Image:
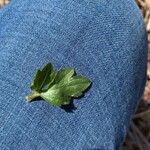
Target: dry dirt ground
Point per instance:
(138, 137)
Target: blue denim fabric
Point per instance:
(103, 40)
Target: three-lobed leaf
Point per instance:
(57, 88)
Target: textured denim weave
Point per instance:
(103, 40)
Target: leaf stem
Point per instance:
(32, 96)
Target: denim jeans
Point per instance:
(103, 40)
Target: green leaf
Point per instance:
(56, 97)
(76, 86)
(63, 75)
(43, 78)
(57, 88)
